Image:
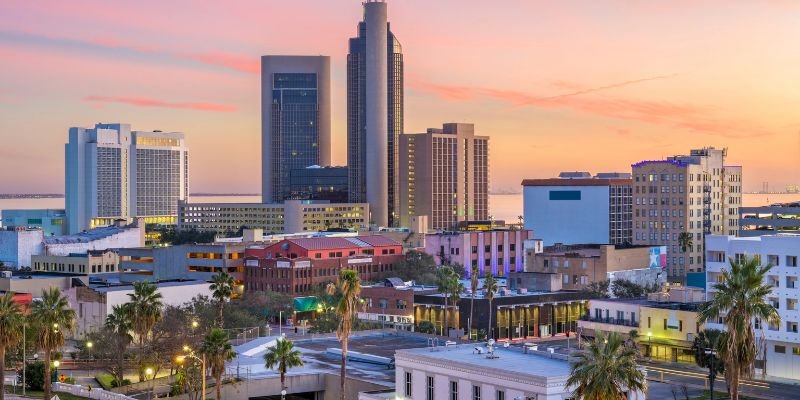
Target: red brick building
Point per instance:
(391, 302)
(295, 266)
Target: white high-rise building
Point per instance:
(113, 172)
(780, 343)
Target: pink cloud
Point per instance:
(232, 61)
(684, 116)
(146, 102)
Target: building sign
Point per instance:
(283, 264)
(359, 260)
(658, 257)
(251, 263)
(672, 321)
(302, 264)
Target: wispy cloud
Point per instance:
(233, 61)
(157, 103)
(676, 115)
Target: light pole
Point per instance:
(149, 371)
(280, 323)
(182, 358)
(712, 373)
(283, 394)
(650, 345)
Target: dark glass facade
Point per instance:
(295, 127)
(328, 183)
(356, 117)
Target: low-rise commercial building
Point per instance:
(186, 261)
(51, 221)
(578, 208)
(91, 262)
(499, 251)
(295, 266)
(769, 220)
(783, 253)
(583, 264)
(291, 216)
(391, 302)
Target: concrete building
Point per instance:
(295, 119)
(296, 266)
(94, 302)
(769, 220)
(391, 302)
(113, 172)
(92, 262)
(581, 265)
(291, 216)
(374, 114)
(695, 194)
(51, 221)
(582, 209)
(319, 183)
(444, 174)
(666, 322)
(783, 252)
(19, 245)
(499, 250)
(186, 261)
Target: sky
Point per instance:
(571, 85)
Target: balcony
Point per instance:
(611, 321)
(706, 200)
(707, 189)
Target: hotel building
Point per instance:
(695, 194)
(577, 208)
(113, 172)
(444, 174)
(498, 250)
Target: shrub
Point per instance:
(34, 375)
(425, 327)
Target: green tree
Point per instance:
(417, 266)
(740, 296)
(713, 339)
(283, 356)
(349, 287)
(605, 370)
(685, 241)
(599, 288)
(491, 286)
(116, 339)
(221, 290)
(445, 281)
(218, 350)
(55, 318)
(144, 309)
(11, 321)
(625, 289)
(185, 236)
(34, 376)
(473, 285)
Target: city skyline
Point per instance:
(557, 87)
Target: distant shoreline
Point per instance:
(31, 196)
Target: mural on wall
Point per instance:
(658, 257)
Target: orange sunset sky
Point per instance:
(566, 85)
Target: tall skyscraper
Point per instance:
(444, 174)
(374, 114)
(679, 200)
(113, 172)
(295, 119)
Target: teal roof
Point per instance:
(305, 304)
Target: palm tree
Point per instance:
(740, 296)
(284, 356)
(218, 350)
(605, 370)
(444, 283)
(144, 309)
(222, 290)
(473, 284)
(491, 286)
(349, 286)
(715, 340)
(11, 321)
(55, 317)
(455, 289)
(118, 324)
(685, 241)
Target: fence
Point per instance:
(97, 394)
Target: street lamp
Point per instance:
(650, 345)
(89, 345)
(56, 364)
(283, 394)
(182, 358)
(149, 372)
(195, 324)
(712, 373)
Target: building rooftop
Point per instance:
(576, 182)
(507, 360)
(116, 287)
(86, 236)
(323, 243)
(643, 302)
(673, 162)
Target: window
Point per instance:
(476, 393)
(565, 279)
(430, 389)
(791, 261)
(501, 395)
(796, 351)
(408, 384)
(453, 390)
(780, 349)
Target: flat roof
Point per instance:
(655, 304)
(507, 360)
(116, 287)
(576, 182)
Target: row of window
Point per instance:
(453, 393)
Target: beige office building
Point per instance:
(444, 174)
(91, 262)
(695, 194)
